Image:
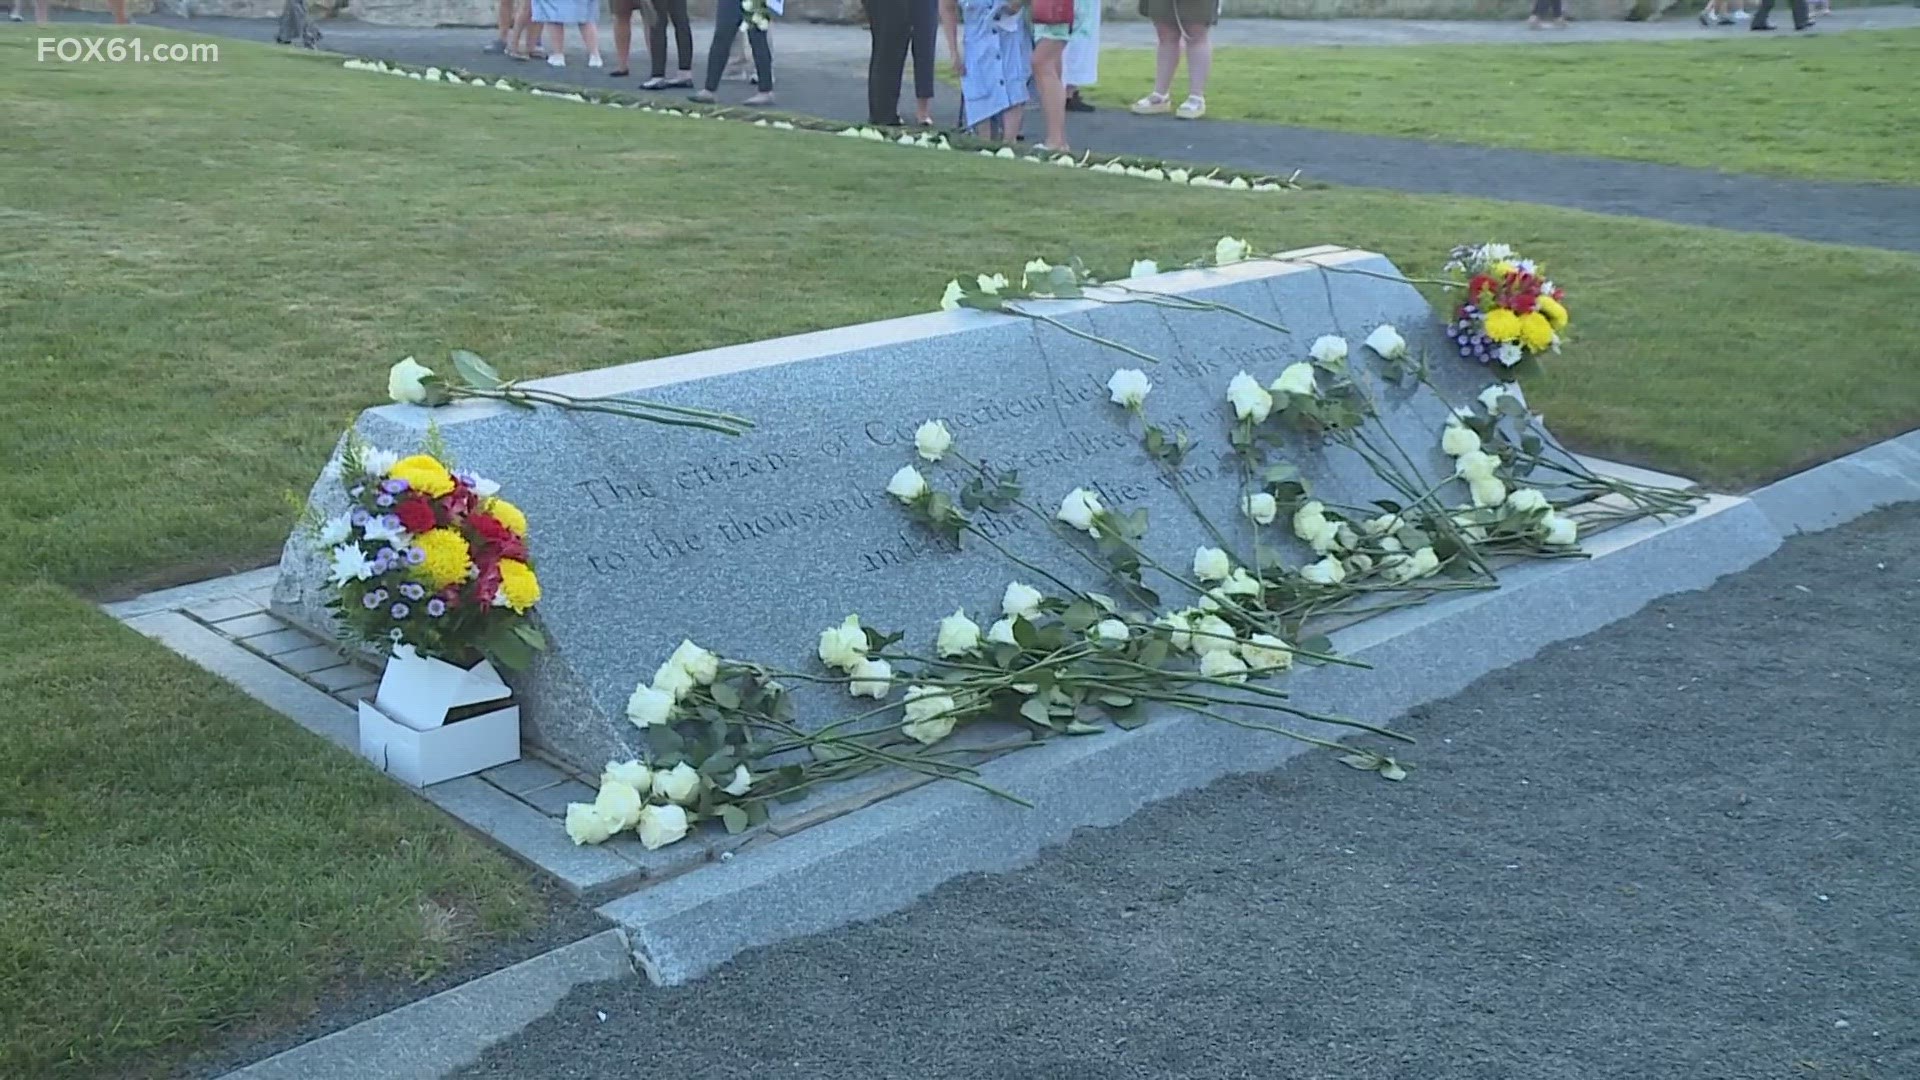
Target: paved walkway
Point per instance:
(1684, 847)
(820, 70)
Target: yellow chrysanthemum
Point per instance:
(1502, 269)
(518, 586)
(1536, 333)
(448, 558)
(1555, 311)
(507, 514)
(423, 474)
(1502, 325)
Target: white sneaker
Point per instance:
(1741, 16)
(557, 60)
(594, 61)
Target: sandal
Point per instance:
(1152, 105)
(1193, 108)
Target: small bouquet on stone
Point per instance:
(1512, 309)
(758, 14)
(432, 560)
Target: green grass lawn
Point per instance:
(1838, 106)
(211, 267)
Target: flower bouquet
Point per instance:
(433, 566)
(1512, 310)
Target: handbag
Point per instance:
(1053, 12)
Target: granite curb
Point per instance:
(434, 1036)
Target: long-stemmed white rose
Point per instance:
(1128, 388)
(410, 382)
(907, 484)
(958, 635)
(932, 440)
(1386, 341)
(844, 646)
(1081, 509)
(1328, 349)
(1250, 400)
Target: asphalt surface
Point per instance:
(820, 71)
(1685, 846)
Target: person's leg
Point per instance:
(889, 27)
(1801, 20)
(622, 37)
(590, 37)
(1199, 60)
(726, 25)
(503, 24)
(557, 44)
(1760, 15)
(1537, 18)
(762, 47)
(682, 37)
(657, 47)
(1047, 54)
(925, 38)
(119, 9)
(1166, 60)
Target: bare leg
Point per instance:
(1199, 60)
(504, 21)
(622, 39)
(1010, 124)
(1166, 57)
(590, 36)
(1047, 55)
(557, 39)
(40, 12)
(119, 9)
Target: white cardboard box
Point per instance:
(440, 753)
(418, 691)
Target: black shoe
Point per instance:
(1761, 26)
(1077, 104)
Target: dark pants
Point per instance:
(727, 18)
(1801, 20)
(676, 11)
(897, 26)
(1548, 9)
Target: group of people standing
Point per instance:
(537, 30)
(1006, 57)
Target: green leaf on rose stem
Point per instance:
(1035, 709)
(940, 507)
(719, 764)
(1082, 727)
(1137, 522)
(664, 742)
(1025, 634)
(790, 795)
(1364, 760)
(1388, 505)
(1147, 596)
(1155, 441)
(725, 695)
(1154, 653)
(734, 818)
(1079, 615)
(1531, 444)
(1282, 472)
(1117, 701)
(1129, 720)
(1104, 601)
(534, 638)
(831, 751)
(475, 371)
(1319, 643)
(756, 812)
(1392, 770)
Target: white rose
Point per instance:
(1488, 491)
(1328, 349)
(634, 774)
(699, 664)
(652, 705)
(335, 530)
(620, 802)
(1387, 341)
(958, 635)
(1241, 583)
(1390, 543)
(1020, 600)
(1179, 625)
(1345, 538)
(1385, 523)
(1001, 632)
(950, 300)
(1422, 563)
(871, 678)
(1222, 664)
(932, 440)
(1296, 379)
(1228, 250)
(991, 284)
(406, 381)
(1178, 176)
(1267, 651)
(929, 715)
(1111, 630)
(673, 680)
(1212, 634)
(661, 825)
(1129, 387)
(1143, 268)
(1526, 500)
(1327, 571)
(907, 484)
(1251, 401)
(1079, 509)
(845, 645)
(1459, 439)
(1035, 268)
(1490, 397)
(1559, 530)
(1475, 465)
(1260, 506)
(587, 823)
(740, 782)
(680, 784)
(1211, 564)
(1309, 521)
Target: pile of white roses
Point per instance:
(755, 10)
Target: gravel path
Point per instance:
(819, 72)
(1685, 847)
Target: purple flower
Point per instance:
(371, 601)
(393, 487)
(436, 607)
(412, 590)
(416, 555)
(383, 500)
(399, 611)
(360, 516)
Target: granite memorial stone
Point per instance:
(645, 535)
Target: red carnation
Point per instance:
(488, 584)
(1480, 281)
(415, 514)
(490, 528)
(458, 502)
(1523, 303)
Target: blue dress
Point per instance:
(999, 54)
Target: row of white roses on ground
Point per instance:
(1165, 172)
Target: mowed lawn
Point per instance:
(210, 267)
(1833, 106)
